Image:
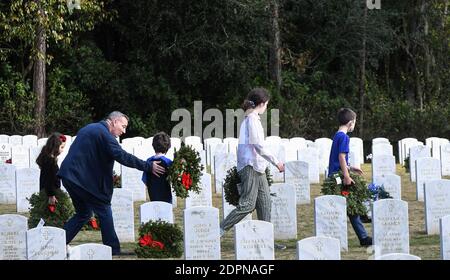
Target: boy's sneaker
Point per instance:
(366, 241)
(279, 246)
(366, 219)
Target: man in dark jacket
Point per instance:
(87, 174)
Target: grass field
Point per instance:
(422, 245)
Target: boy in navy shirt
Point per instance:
(339, 161)
(159, 187)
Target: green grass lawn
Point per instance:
(422, 245)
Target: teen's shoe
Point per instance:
(280, 246)
(366, 241)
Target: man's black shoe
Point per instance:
(366, 241)
(365, 219)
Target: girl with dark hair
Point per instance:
(48, 163)
(252, 159)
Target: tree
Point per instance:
(32, 25)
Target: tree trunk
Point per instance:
(427, 78)
(39, 75)
(275, 47)
(362, 80)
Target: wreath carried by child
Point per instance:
(230, 185)
(53, 215)
(159, 239)
(355, 194)
(185, 172)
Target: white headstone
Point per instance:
(15, 140)
(20, 156)
(254, 240)
(298, 142)
(407, 143)
(4, 139)
(46, 243)
(291, 151)
(143, 152)
(437, 203)
(5, 152)
(13, 237)
(297, 174)
(222, 163)
(90, 251)
(415, 153)
(324, 147)
(232, 144)
(311, 156)
(273, 140)
(444, 227)
(379, 140)
(284, 211)
(210, 145)
(426, 169)
(123, 214)
(131, 179)
(382, 149)
(27, 183)
(357, 146)
(382, 165)
(42, 141)
(353, 161)
(391, 184)
(330, 218)
(193, 141)
(398, 256)
(201, 233)
(319, 248)
(29, 141)
(156, 210)
(131, 142)
(278, 152)
(204, 197)
(390, 226)
(7, 184)
(34, 153)
(445, 159)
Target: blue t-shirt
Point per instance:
(341, 144)
(158, 187)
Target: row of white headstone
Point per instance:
(253, 239)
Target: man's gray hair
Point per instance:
(115, 115)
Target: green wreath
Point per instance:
(159, 239)
(55, 216)
(355, 194)
(185, 172)
(231, 182)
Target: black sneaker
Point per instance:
(280, 246)
(366, 241)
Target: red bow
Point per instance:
(93, 223)
(52, 208)
(62, 137)
(186, 180)
(147, 240)
(345, 193)
(8, 161)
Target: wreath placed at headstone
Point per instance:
(159, 239)
(53, 215)
(230, 185)
(185, 172)
(355, 194)
(117, 180)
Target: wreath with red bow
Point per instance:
(355, 194)
(159, 239)
(185, 172)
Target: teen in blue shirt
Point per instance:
(339, 161)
